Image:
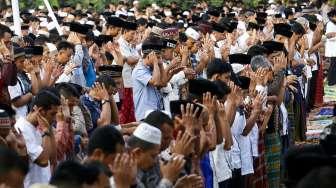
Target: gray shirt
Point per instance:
(145, 96)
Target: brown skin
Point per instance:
(223, 77)
(168, 54)
(34, 118)
(63, 56)
(129, 35)
(146, 159)
(106, 159)
(103, 182)
(7, 40)
(167, 135)
(13, 178)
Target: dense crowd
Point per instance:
(160, 97)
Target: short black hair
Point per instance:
(67, 90)
(298, 28)
(96, 168)
(9, 160)
(106, 80)
(223, 88)
(158, 118)
(135, 142)
(46, 98)
(70, 174)
(217, 66)
(105, 138)
(4, 29)
(63, 45)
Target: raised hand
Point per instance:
(20, 145)
(69, 68)
(183, 144)
(190, 181)
(184, 51)
(73, 38)
(221, 110)
(257, 103)
(189, 73)
(48, 65)
(260, 76)
(124, 170)
(204, 56)
(210, 102)
(99, 92)
(57, 71)
(189, 118)
(291, 79)
(172, 169)
(152, 58)
(28, 66)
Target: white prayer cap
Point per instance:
(42, 19)
(41, 7)
(12, 28)
(241, 25)
(130, 14)
(38, 185)
(119, 12)
(319, 17)
(135, 2)
(52, 48)
(163, 111)
(270, 12)
(41, 32)
(303, 21)
(44, 24)
(31, 11)
(157, 30)
(185, 13)
(96, 33)
(62, 14)
(90, 23)
(148, 133)
(70, 16)
(237, 68)
(192, 33)
(155, 6)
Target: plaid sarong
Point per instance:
(259, 178)
(272, 155)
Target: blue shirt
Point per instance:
(94, 108)
(145, 96)
(207, 171)
(89, 71)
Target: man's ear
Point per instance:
(136, 152)
(97, 155)
(215, 77)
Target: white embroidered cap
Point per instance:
(148, 133)
(52, 48)
(42, 32)
(192, 33)
(62, 14)
(237, 68)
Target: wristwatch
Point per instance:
(105, 101)
(46, 133)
